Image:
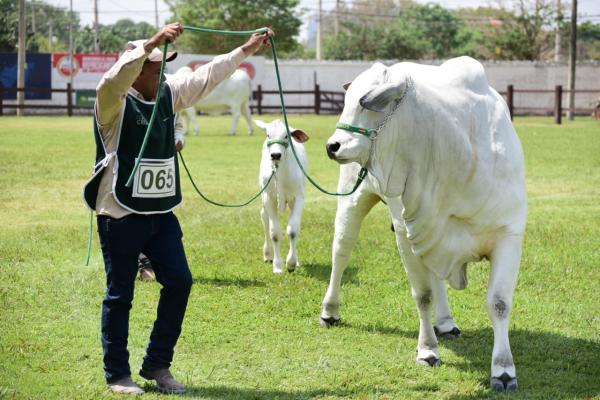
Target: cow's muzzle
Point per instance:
(332, 148)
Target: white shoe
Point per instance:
(125, 386)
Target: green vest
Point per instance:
(156, 187)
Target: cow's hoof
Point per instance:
(268, 261)
(329, 322)
(453, 334)
(504, 383)
(431, 361)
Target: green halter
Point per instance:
(356, 129)
(271, 142)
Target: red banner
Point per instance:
(83, 62)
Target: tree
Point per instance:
(235, 15)
(588, 38)
(415, 31)
(44, 15)
(113, 37)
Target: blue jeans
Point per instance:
(122, 240)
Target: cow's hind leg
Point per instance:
(445, 327)
(505, 259)
(348, 219)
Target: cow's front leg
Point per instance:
(445, 326)
(293, 231)
(235, 113)
(275, 235)
(348, 219)
(424, 288)
(422, 283)
(505, 259)
(248, 116)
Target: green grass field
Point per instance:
(251, 335)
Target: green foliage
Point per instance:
(419, 31)
(251, 335)
(113, 38)
(236, 15)
(46, 15)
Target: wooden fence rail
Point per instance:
(327, 102)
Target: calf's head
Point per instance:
(368, 98)
(277, 140)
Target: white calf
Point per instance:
(286, 188)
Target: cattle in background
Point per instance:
(450, 167)
(232, 95)
(286, 189)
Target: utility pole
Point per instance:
(50, 26)
(337, 17)
(559, 18)
(156, 13)
(97, 29)
(319, 30)
(572, 60)
(21, 59)
(33, 16)
(71, 40)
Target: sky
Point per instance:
(143, 10)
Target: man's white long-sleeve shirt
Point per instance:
(114, 87)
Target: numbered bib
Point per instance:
(155, 178)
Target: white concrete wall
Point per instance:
(331, 75)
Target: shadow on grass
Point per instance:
(549, 365)
(238, 282)
(322, 272)
(241, 393)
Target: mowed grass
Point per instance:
(251, 335)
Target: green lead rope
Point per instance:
(221, 204)
(362, 174)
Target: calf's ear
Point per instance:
(299, 135)
(346, 85)
(260, 124)
(378, 98)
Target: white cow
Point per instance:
(285, 188)
(450, 167)
(233, 95)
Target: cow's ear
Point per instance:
(299, 135)
(261, 124)
(380, 96)
(346, 85)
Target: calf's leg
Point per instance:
(348, 219)
(270, 207)
(293, 231)
(268, 245)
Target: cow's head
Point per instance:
(277, 141)
(368, 98)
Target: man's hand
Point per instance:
(168, 34)
(256, 42)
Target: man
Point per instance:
(139, 219)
